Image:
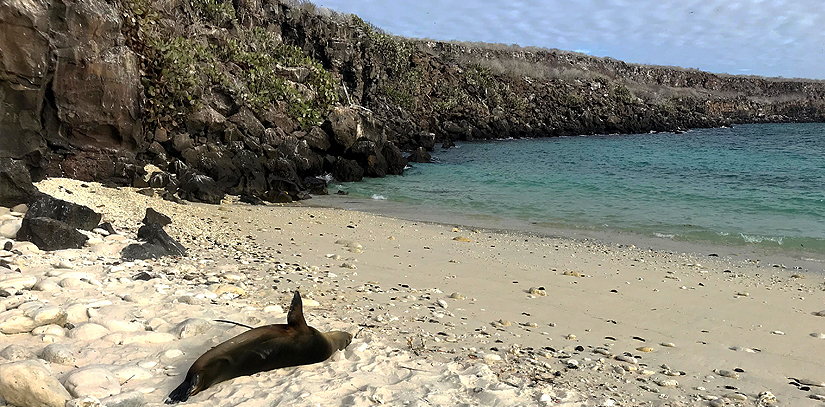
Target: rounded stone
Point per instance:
(93, 381)
(30, 383)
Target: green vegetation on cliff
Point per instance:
(252, 65)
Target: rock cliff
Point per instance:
(257, 98)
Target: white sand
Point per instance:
(411, 350)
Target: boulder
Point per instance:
(200, 188)
(316, 185)
(247, 122)
(153, 216)
(30, 383)
(318, 139)
(344, 123)
(419, 155)
(182, 141)
(252, 173)
(205, 120)
(15, 183)
(347, 170)
(159, 179)
(274, 118)
(158, 244)
(76, 216)
(376, 166)
(395, 160)
(50, 234)
(307, 161)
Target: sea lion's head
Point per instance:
(339, 339)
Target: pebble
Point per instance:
(819, 313)
(570, 337)
(125, 399)
(58, 353)
(233, 291)
(538, 291)
(10, 227)
(126, 373)
(456, 296)
(819, 335)
(811, 382)
(645, 349)
(15, 322)
(17, 352)
(626, 358)
(192, 327)
(88, 331)
(736, 396)
(93, 381)
(666, 382)
(77, 314)
(31, 383)
(726, 373)
(462, 239)
(18, 282)
(668, 344)
(492, 358)
(442, 303)
(766, 397)
(51, 329)
(572, 274)
(350, 266)
(275, 309)
(777, 332)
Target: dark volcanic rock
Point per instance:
(419, 155)
(347, 170)
(200, 188)
(15, 183)
(247, 122)
(316, 186)
(50, 234)
(158, 244)
(395, 160)
(76, 216)
(159, 179)
(318, 139)
(153, 216)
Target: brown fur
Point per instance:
(261, 349)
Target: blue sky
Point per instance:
(751, 37)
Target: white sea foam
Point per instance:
(379, 197)
(664, 235)
(760, 239)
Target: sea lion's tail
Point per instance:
(182, 392)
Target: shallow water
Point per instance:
(750, 186)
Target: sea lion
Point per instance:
(261, 349)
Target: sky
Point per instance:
(751, 37)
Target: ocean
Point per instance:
(758, 188)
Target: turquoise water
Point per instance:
(750, 185)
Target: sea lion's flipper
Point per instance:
(295, 317)
(182, 392)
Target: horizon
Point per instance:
(752, 37)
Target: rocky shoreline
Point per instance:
(266, 101)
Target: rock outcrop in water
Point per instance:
(258, 98)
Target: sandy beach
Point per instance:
(441, 314)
